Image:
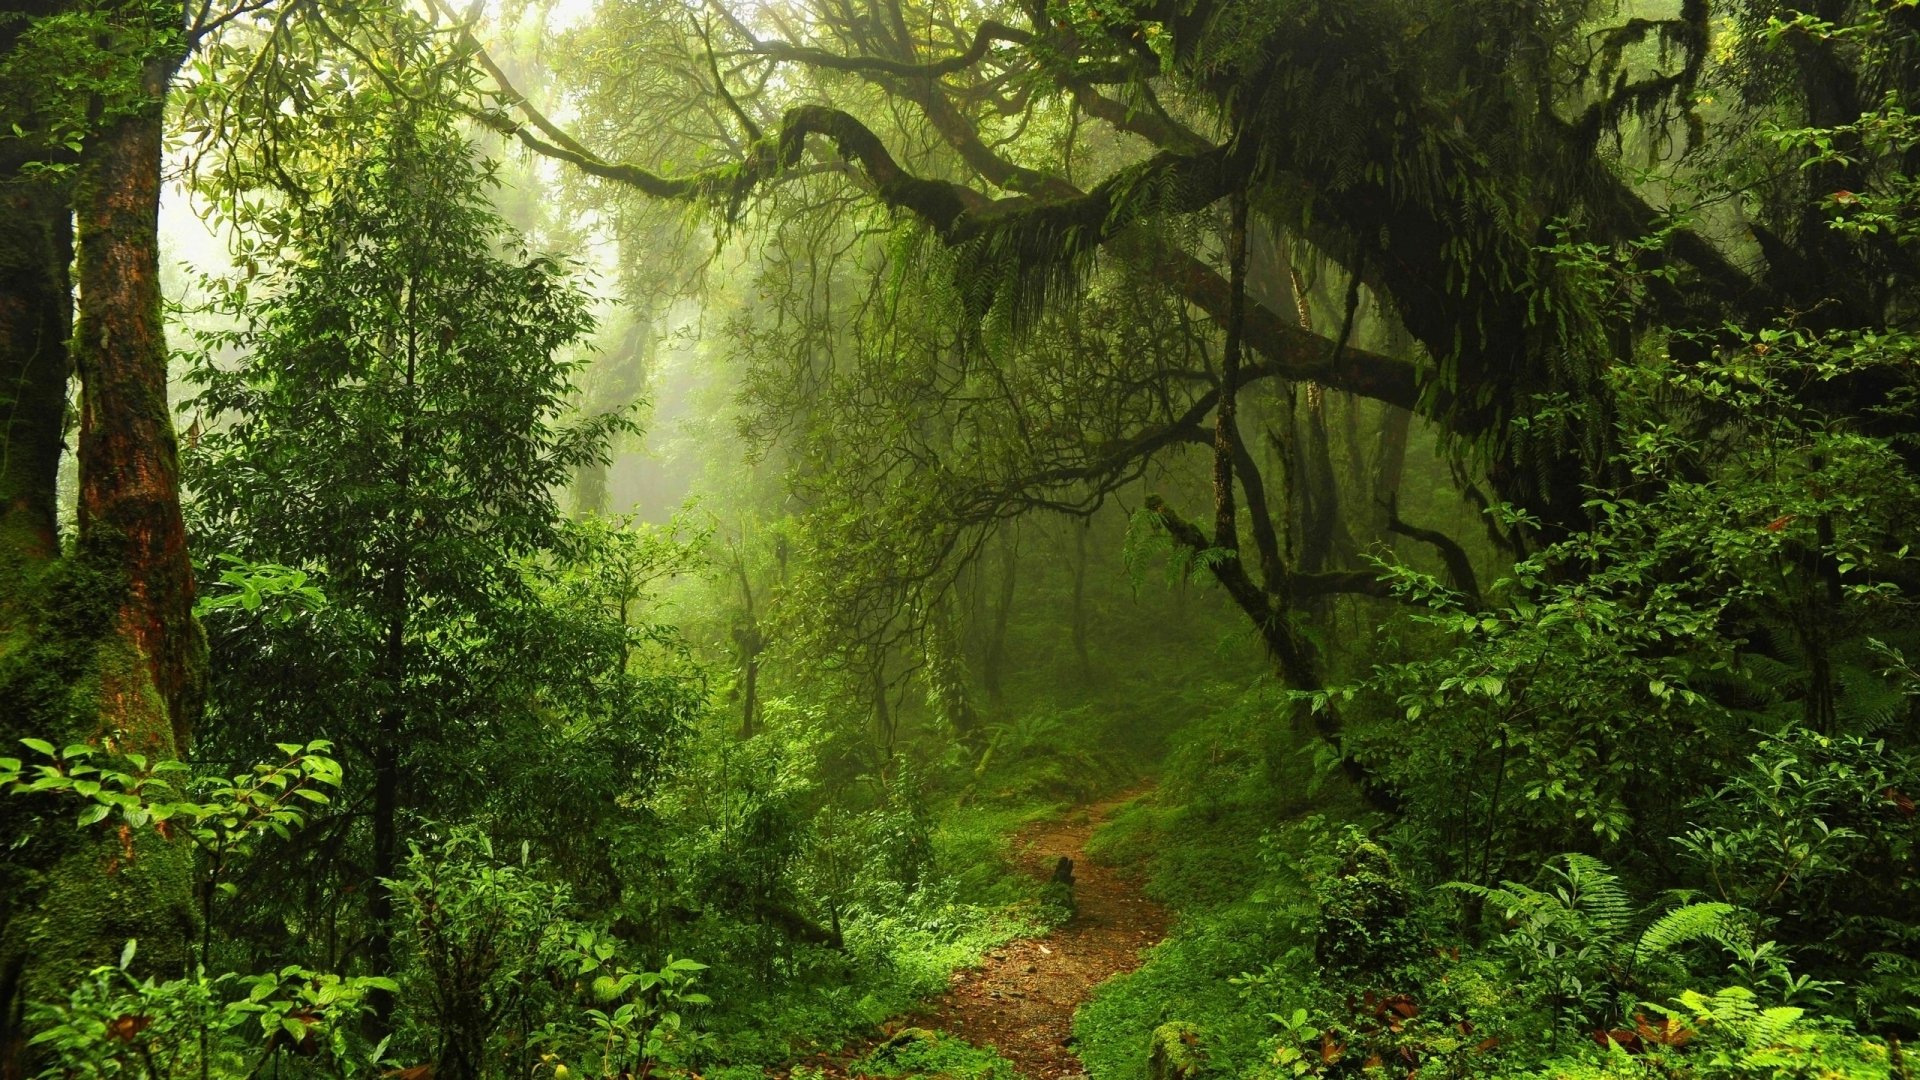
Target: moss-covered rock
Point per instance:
(1176, 1052)
(920, 1052)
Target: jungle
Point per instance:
(959, 539)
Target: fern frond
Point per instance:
(1867, 702)
(1516, 900)
(1596, 894)
(1708, 921)
(1773, 1024)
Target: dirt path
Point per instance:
(1020, 1000)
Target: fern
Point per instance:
(1710, 921)
(1595, 893)
(1867, 701)
(1577, 940)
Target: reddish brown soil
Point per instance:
(1020, 1000)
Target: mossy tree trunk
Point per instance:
(129, 458)
(36, 253)
(97, 645)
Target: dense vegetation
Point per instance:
(567, 539)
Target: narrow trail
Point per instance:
(1020, 1000)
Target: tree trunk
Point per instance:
(129, 460)
(992, 673)
(1388, 469)
(103, 647)
(748, 638)
(36, 312)
(883, 718)
(386, 819)
(618, 382)
(946, 675)
(396, 599)
(1080, 530)
(750, 694)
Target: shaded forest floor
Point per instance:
(1021, 998)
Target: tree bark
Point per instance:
(397, 600)
(992, 672)
(1388, 469)
(36, 317)
(36, 313)
(129, 458)
(1080, 530)
(751, 642)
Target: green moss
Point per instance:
(920, 1052)
(107, 889)
(72, 897)
(1175, 1052)
(61, 616)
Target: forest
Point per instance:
(959, 539)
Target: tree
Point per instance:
(1472, 141)
(100, 645)
(394, 424)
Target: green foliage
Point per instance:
(219, 814)
(381, 468)
(1364, 930)
(1175, 1051)
(73, 70)
(1751, 540)
(1690, 669)
(918, 1052)
(478, 932)
(1575, 942)
(224, 818)
(642, 1018)
(1731, 1035)
(116, 1025)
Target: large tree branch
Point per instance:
(984, 36)
(1037, 229)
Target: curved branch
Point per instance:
(1031, 231)
(984, 36)
(1459, 566)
